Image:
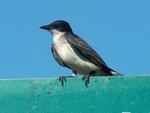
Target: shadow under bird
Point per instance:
(71, 51)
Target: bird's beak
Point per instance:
(46, 27)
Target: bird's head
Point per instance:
(58, 26)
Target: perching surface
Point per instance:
(104, 95)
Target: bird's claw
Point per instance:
(62, 79)
(86, 78)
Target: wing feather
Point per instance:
(86, 50)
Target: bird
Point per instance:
(71, 51)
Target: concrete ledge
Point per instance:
(104, 95)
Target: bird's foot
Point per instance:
(86, 78)
(62, 79)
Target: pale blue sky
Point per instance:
(119, 30)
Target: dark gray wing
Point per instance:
(85, 50)
(56, 56)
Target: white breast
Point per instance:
(70, 58)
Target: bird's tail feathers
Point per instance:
(115, 73)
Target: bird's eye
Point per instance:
(57, 26)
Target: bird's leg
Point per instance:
(86, 78)
(62, 79)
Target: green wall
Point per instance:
(104, 95)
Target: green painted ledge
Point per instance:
(105, 95)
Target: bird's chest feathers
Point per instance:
(64, 50)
